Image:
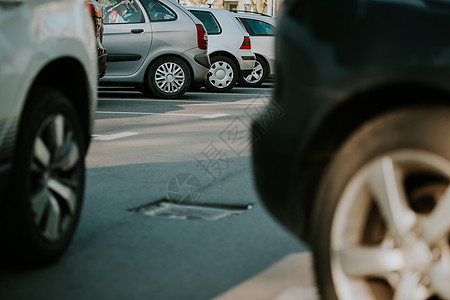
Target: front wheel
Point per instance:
(43, 207)
(222, 75)
(168, 77)
(380, 223)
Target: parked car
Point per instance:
(48, 90)
(156, 45)
(353, 153)
(229, 48)
(97, 15)
(262, 35)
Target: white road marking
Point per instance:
(213, 116)
(291, 278)
(115, 136)
(206, 102)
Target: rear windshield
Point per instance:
(256, 27)
(208, 20)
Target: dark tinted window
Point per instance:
(210, 22)
(121, 12)
(157, 11)
(256, 27)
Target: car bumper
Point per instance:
(102, 58)
(203, 60)
(199, 62)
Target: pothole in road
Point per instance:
(197, 211)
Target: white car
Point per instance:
(48, 97)
(229, 48)
(262, 34)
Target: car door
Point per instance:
(172, 27)
(127, 36)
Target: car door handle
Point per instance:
(137, 30)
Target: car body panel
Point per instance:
(127, 50)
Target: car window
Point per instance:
(158, 12)
(208, 19)
(257, 27)
(119, 12)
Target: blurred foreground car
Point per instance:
(48, 86)
(353, 154)
(156, 45)
(229, 48)
(262, 35)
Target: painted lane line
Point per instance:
(186, 101)
(115, 136)
(213, 116)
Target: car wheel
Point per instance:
(380, 223)
(258, 75)
(168, 77)
(45, 199)
(222, 75)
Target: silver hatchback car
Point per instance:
(156, 45)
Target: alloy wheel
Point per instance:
(390, 231)
(54, 187)
(256, 75)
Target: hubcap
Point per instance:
(220, 74)
(256, 74)
(54, 177)
(170, 77)
(390, 232)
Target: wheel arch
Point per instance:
(340, 122)
(229, 55)
(68, 76)
(266, 61)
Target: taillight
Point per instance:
(246, 43)
(202, 37)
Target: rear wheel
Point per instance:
(381, 223)
(168, 77)
(43, 209)
(222, 75)
(258, 75)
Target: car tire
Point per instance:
(258, 75)
(222, 75)
(44, 202)
(168, 77)
(380, 224)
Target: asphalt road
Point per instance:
(170, 209)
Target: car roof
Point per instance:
(255, 16)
